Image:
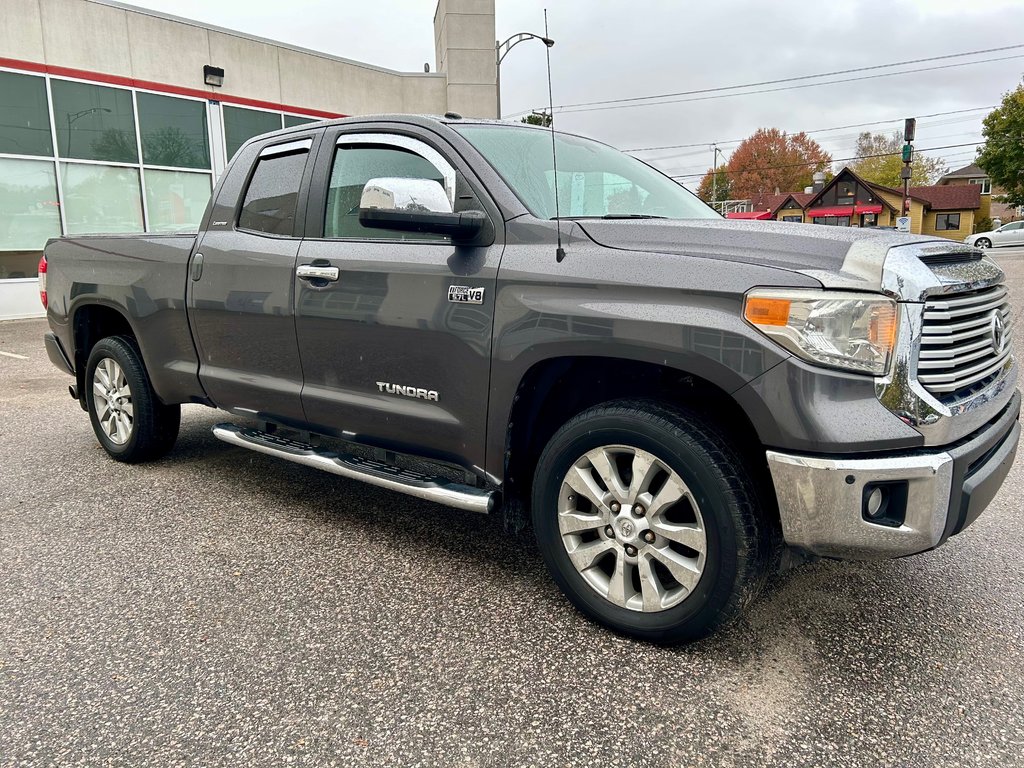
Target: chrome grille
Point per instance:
(965, 341)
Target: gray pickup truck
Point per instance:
(682, 404)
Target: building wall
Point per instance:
(110, 127)
(917, 212)
(783, 212)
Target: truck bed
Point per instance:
(142, 277)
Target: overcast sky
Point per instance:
(608, 50)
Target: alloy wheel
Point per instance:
(632, 528)
(113, 401)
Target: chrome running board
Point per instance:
(436, 489)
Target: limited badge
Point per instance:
(463, 294)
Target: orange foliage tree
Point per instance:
(771, 160)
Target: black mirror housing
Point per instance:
(458, 226)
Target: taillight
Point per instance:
(42, 281)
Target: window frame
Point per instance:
(399, 141)
(945, 218)
(984, 182)
(277, 147)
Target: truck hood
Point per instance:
(838, 257)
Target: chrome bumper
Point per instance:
(822, 499)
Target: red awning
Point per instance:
(845, 210)
(872, 208)
(749, 215)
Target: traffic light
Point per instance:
(908, 153)
(909, 126)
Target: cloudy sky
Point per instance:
(609, 50)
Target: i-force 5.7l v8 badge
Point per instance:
(464, 294)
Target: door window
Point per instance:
(354, 165)
(272, 197)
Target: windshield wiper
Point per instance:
(614, 216)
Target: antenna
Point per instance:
(559, 251)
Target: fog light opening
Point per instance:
(885, 503)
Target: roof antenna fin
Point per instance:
(559, 251)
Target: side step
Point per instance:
(436, 489)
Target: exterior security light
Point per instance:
(213, 76)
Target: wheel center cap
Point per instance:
(627, 529)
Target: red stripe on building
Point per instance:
(131, 82)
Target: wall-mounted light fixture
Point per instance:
(213, 76)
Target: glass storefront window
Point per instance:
(290, 121)
(24, 115)
(94, 122)
(101, 199)
(240, 125)
(176, 200)
(173, 131)
(29, 213)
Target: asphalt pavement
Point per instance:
(221, 607)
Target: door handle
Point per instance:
(310, 272)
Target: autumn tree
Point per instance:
(771, 160)
(542, 119)
(879, 161)
(1002, 157)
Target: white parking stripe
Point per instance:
(11, 354)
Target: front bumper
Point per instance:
(935, 494)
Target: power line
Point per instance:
(797, 78)
(834, 160)
(792, 87)
(816, 130)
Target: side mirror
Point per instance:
(415, 205)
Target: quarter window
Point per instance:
(272, 197)
(947, 221)
(356, 164)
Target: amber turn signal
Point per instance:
(764, 311)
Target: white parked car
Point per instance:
(1008, 234)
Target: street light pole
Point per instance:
(72, 117)
(501, 50)
(714, 176)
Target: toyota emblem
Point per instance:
(997, 332)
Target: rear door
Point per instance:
(390, 356)
(241, 294)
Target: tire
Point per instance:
(738, 541)
(130, 422)
(983, 242)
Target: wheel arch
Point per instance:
(89, 324)
(555, 389)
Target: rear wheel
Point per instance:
(983, 242)
(649, 522)
(130, 422)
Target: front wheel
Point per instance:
(649, 521)
(983, 242)
(130, 422)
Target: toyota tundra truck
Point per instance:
(681, 404)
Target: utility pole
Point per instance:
(909, 128)
(714, 175)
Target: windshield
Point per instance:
(594, 180)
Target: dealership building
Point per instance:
(120, 119)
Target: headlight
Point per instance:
(852, 331)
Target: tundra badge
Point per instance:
(398, 389)
(463, 294)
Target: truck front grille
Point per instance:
(965, 341)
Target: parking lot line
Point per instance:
(11, 354)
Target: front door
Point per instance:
(389, 356)
(242, 282)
